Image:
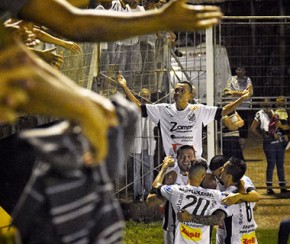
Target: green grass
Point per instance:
(151, 233)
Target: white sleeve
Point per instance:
(154, 112)
(207, 113)
(167, 191)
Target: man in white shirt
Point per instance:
(181, 122)
(239, 227)
(178, 175)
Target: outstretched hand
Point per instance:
(190, 17)
(34, 87)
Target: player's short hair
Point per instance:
(197, 164)
(184, 147)
(187, 83)
(217, 162)
(237, 168)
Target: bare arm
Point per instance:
(231, 107)
(122, 82)
(234, 198)
(162, 178)
(91, 25)
(215, 219)
(45, 37)
(33, 87)
(254, 127)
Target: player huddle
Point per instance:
(196, 209)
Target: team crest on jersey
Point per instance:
(249, 238)
(191, 234)
(168, 189)
(191, 117)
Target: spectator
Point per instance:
(181, 123)
(230, 135)
(237, 86)
(273, 145)
(144, 146)
(280, 110)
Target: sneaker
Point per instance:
(270, 192)
(284, 191)
(288, 146)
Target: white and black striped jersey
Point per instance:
(197, 201)
(181, 127)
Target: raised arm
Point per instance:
(92, 25)
(122, 82)
(162, 178)
(231, 107)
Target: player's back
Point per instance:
(197, 201)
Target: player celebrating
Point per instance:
(178, 174)
(239, 227)
(193, 198)
(181, 123)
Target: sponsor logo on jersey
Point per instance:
(193, 234)
(249, 238)
(180, 128)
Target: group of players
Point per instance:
(200, 196)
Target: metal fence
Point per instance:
(261, 44)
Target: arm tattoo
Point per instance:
(215, 219)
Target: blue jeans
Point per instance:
(275, 153)
(284, 231)
(143, 166)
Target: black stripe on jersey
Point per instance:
(218, 114)
(166, 210)
(144, 111)
(250, 189)
(228, 226)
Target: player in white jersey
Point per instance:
(178, 174)
(239, 227)
(193, 198)
(181, 123)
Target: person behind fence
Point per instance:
(144, 146)
(181, 123)
(281, 111)
(174, 175)
(230, 135)
(238, 85)
(273, 144)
